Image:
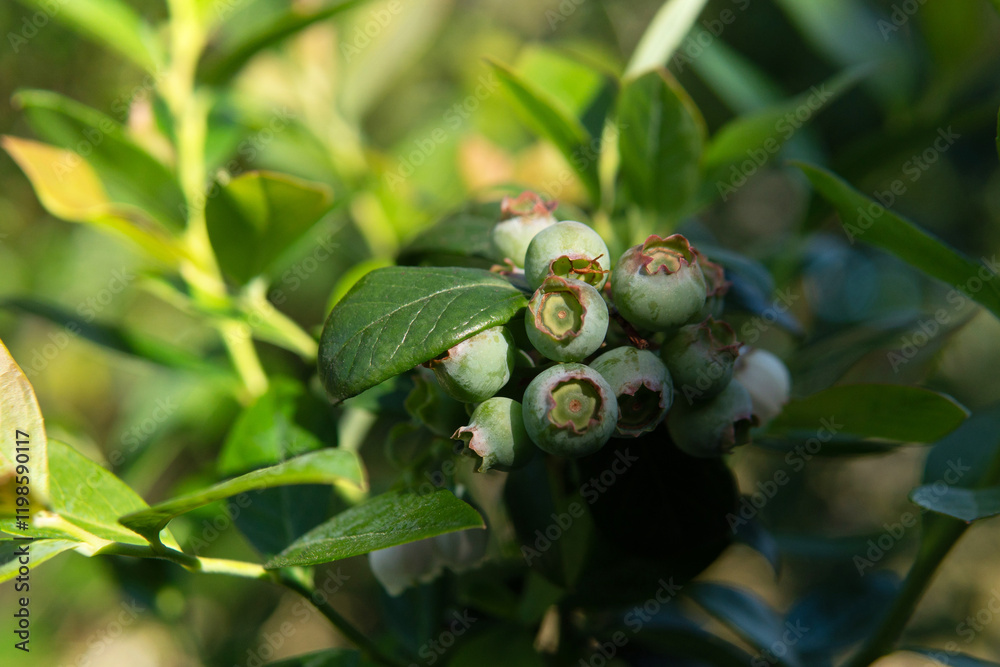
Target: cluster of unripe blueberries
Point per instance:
(661, 290)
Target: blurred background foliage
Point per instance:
(393, 107)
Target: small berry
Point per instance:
(713, 427)
(767, 380)
(716, 286)
(522, 217)
(641, 383)
(570, 410)
(476, 368)
(658, 285)
(567, 320)
(701, 358)
(496, 435)
(568, 249)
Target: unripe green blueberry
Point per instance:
(658, 285)
(522, 217)
(713, 427)
(478, 367)
(701, 358)
(568, 249)
(496, 434)
(767, 380)
(642, 386)
(570, 410)
(567, 319)
(716, 286)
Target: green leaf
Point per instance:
(551, 121)
(337, 657)
(77, 195)
(110, 23)
(39, 551)
(869, 221)
(87, 496)
(498, 647)
(116, 338)
(768, 129)
(129, 173)
(397, 317)
(745, 614)
(384, 521)
(258, 216)
(965, 504)
(664, 34)
(462, 234)
(268, 433)
(229, 57)
(951, 658)
(892, 412)
(567, 80)
(660, 143)
(21, 419)
(328, 466)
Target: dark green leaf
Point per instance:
(384, 521)
(747, 615)
(266, 433)
(555, 124)
(951, 658)
(967, 450)
(755, 536)
(766, 130)
(110, 23)
(229, 57)
(129, 174)
(257, 216)
(39, 550)
(693, 643)
(965, 504)
(892, 412)
(462, 234)
(866, 219)
(497, 647)
(397, 317)
(660, 143)
(328, 466)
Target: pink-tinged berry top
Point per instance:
(666, 255)
(528, 204)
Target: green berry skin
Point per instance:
(570, 410)
(568, 249)
(642, 385)
(567, 319)
(716, 287)
(497, 436)
(658, 285)
(714, 427)
(478, 367)
(701, 358)
(522, 218)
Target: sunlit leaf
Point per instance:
(664, 34)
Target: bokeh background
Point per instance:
(393, 106)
